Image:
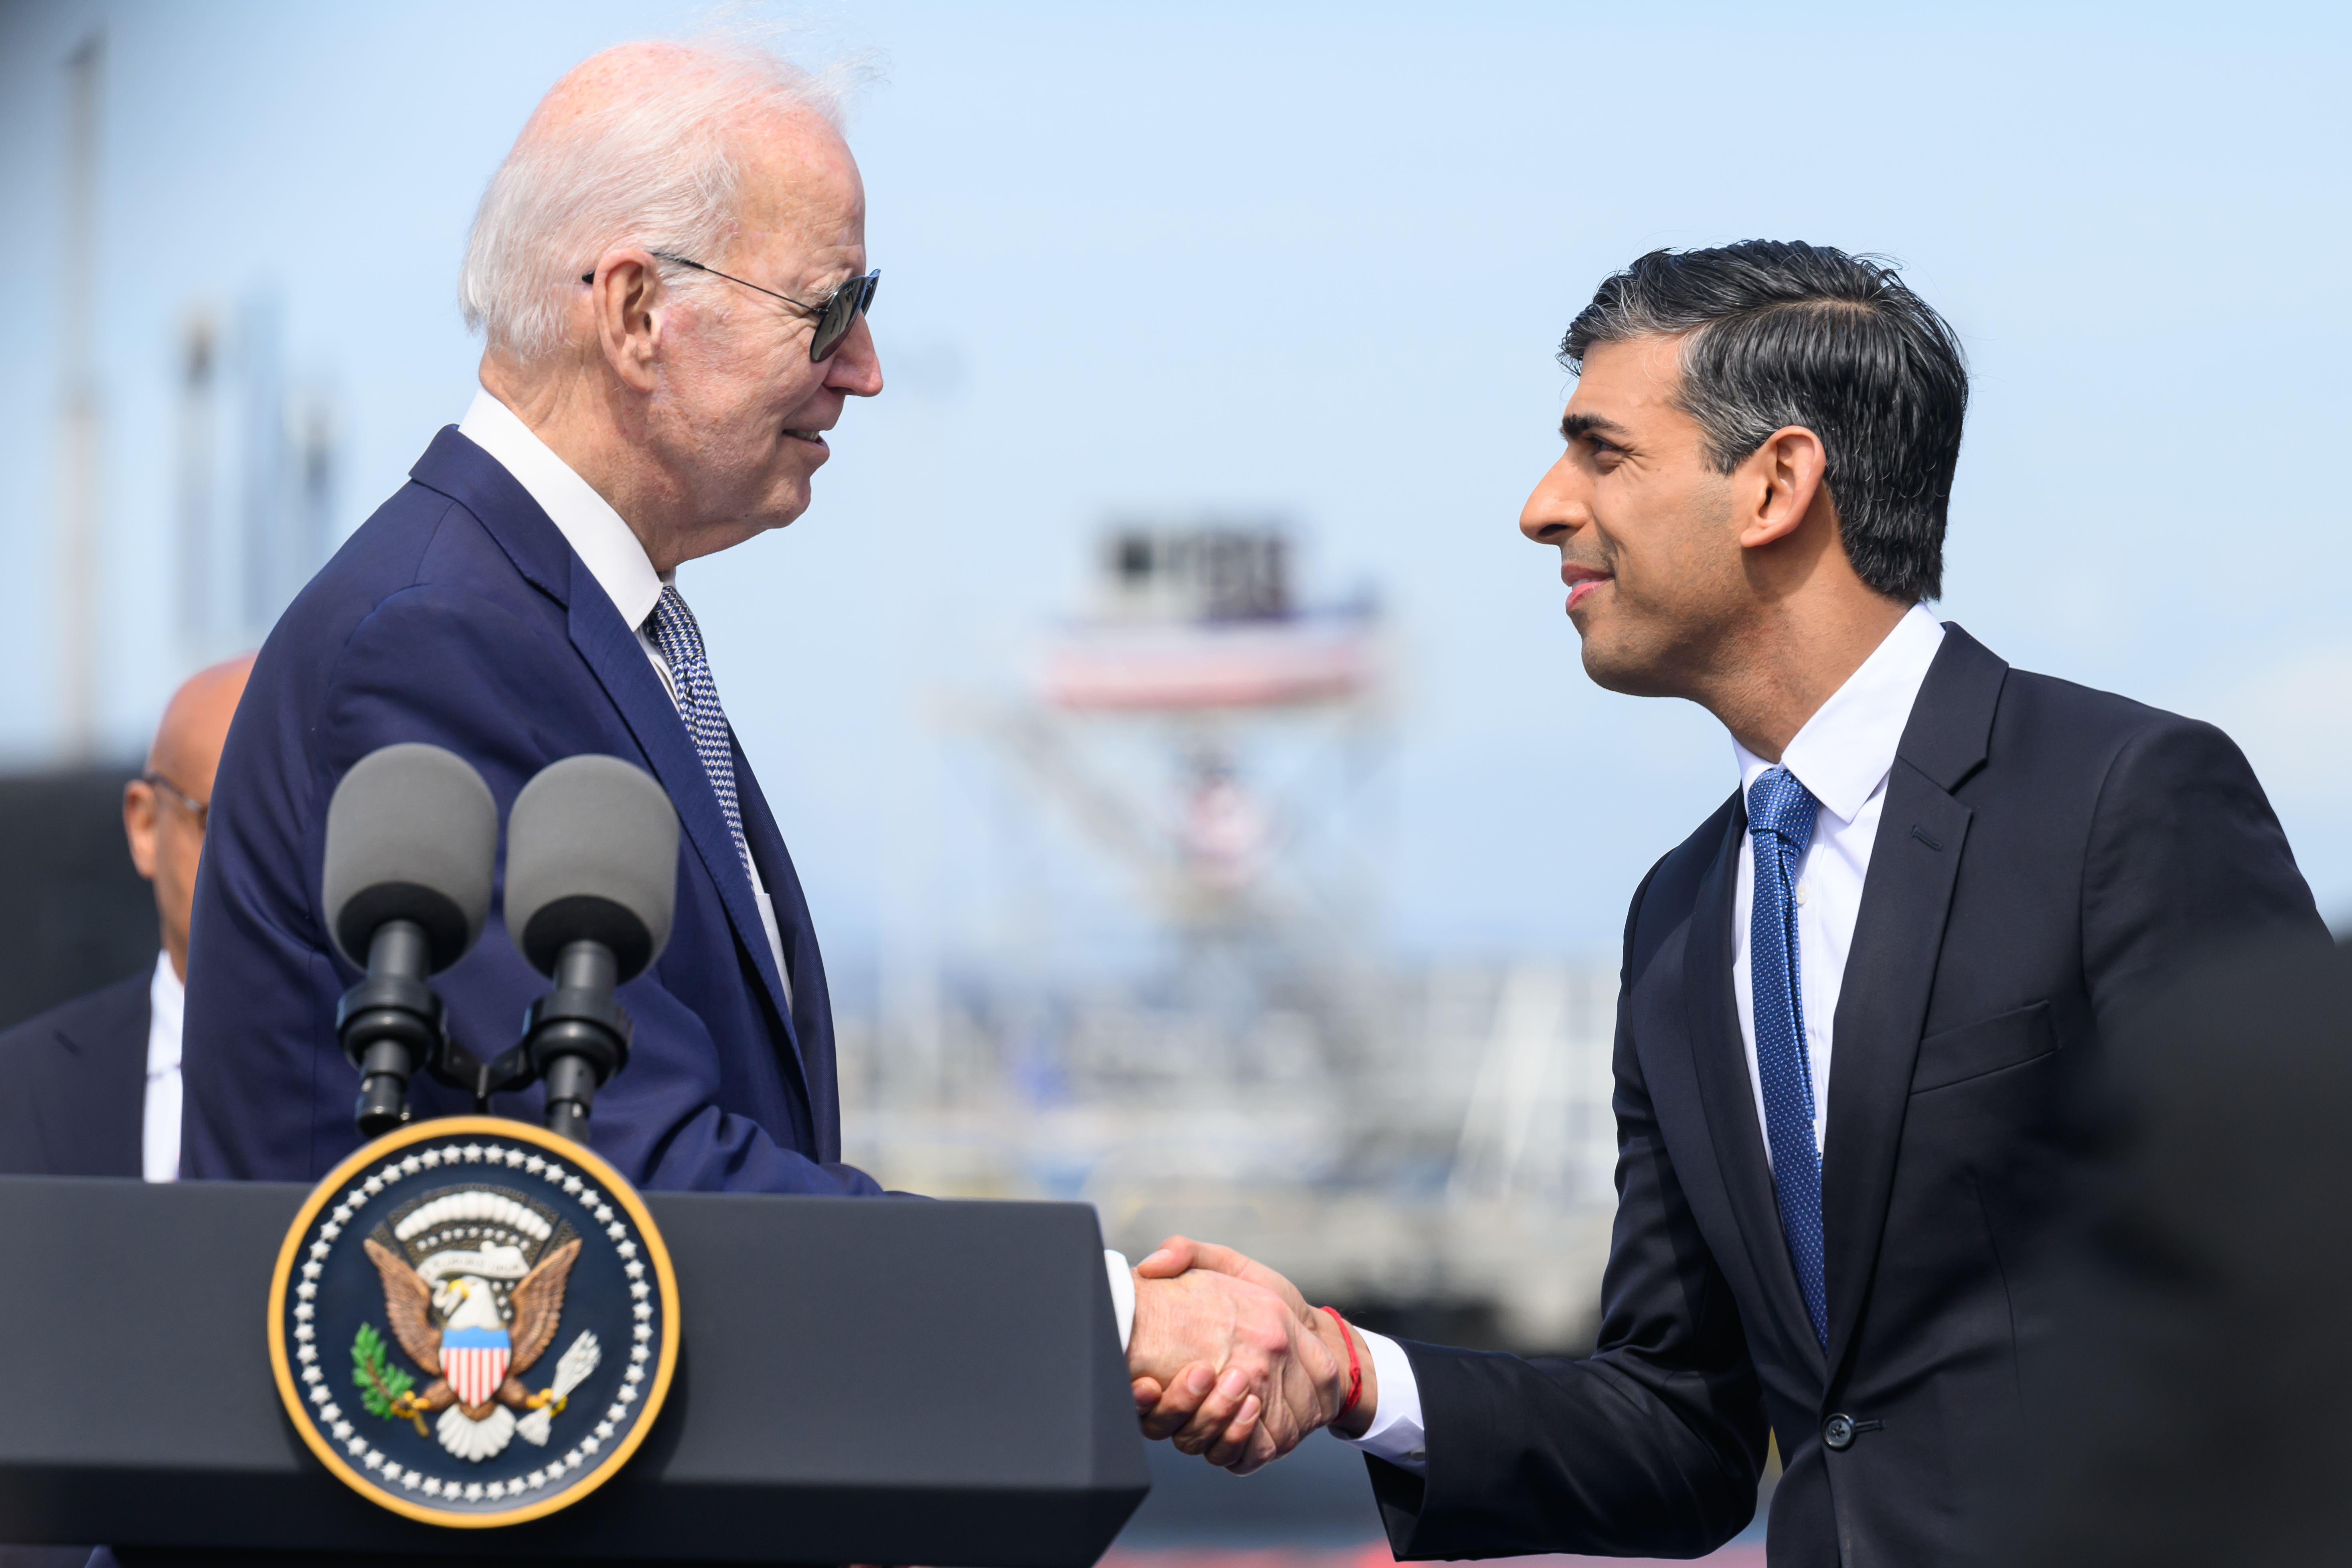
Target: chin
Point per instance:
(1613, 667)
(784, 504)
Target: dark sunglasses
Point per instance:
(833, 317)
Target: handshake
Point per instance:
(1231, 1363)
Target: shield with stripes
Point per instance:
(475, 1362)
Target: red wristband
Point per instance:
(1355, 1367)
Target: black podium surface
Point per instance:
(860, 1380)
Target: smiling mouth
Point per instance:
(1582, 582)
(814, 437)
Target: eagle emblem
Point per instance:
(473, 1321)
(473, 1287)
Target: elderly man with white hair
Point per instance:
(669, 271)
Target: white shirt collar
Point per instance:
(1847, 748)
(165, 996)
(587, 521)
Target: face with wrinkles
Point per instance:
(737, 413)
(1648, 540)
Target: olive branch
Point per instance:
(383, 1386)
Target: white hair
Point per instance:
(654, 168)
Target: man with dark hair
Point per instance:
(1849, 999)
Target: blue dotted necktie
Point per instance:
(1781, 812)
(680, 641)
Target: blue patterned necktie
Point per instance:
(680, 641)
(1781, 812)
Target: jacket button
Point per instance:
(1838, 1432)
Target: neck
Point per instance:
(1790, 661)
(584, 423)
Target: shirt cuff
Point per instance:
(1395, 1434)
(1122, 1298)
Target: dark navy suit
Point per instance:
(73, 1085)
(2047, 858)
(457, 615)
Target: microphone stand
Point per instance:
(390, 1023)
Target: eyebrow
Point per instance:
(1573, 425)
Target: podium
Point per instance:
(859, 1380)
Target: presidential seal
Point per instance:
(473, 1321)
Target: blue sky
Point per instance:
(1316, 260)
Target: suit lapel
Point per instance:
(619, 663)
(1720, 1057)
(812, 1006)
(1915, 863)
(457, 469)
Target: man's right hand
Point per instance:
(1249, 1372)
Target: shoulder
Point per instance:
(417, 540)
(2107, 738)
(417, 543)
(94, 1021)
(420, 610)
(426, 599)
(2181, 850)
(2063, 711)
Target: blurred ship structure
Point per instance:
(1429, 1146)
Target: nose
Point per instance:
(855, 366)
(1555, 509)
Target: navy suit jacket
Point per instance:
(2049, 856)
(457, 615)
(73, 1085)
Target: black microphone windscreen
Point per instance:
(412, 833)
(592, 853)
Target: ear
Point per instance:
(139, 825)
(1778, 486)
(629, 301)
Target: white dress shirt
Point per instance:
(1844, 755)
(617, 559)
(159, 1128)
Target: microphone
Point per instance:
(591, 882)
(412, 846)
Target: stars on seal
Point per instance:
(318, 1375)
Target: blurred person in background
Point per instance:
(1850, 1001)
(93, 1086)
(669, 271)
(2194, 1408)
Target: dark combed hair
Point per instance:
(1776, 334)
